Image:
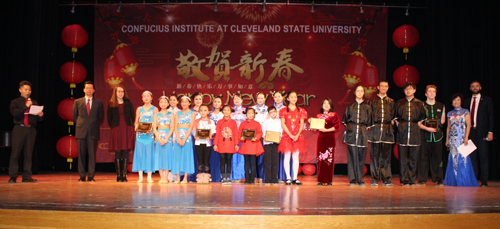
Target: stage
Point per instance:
(58, 199)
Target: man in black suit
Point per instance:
(24, 132)
(88, 113)
(481, 132)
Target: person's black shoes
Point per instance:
(29, 180)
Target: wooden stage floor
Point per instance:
(61, 192)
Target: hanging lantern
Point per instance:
(126, 59)
(355, 65)
(309, 169)
(396, 152)
(112, 72)
(369, 80)
(73, 72)
(74, 36)
(65, 110)
(365, 170)
(405, 37)
(66, 147)
(406, 73)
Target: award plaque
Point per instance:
(248, 134)
(273, 136)
(317, 124)
(144, 127)
(432, 123)
(203, 133)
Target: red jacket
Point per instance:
(227, 136)
(250, 147)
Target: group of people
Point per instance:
(172, 142)
(416, 127)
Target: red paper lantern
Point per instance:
(66, 147)
(396, 152)
(369, 80)
(365, 170)
(112, 72)
(354, 67)
(126, 59)
(300, 169)
(73, 72)
(405, 37)
(65, 110)
(309, 169)
(74, 36)
(406, 73)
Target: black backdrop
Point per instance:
(457, 45)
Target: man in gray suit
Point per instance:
(88, 113)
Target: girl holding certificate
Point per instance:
(163, 126)
(357, 117)
(203, 130)
(250, 146)
(293, 142)
(226, 143)
(326, 142)
(144, 143)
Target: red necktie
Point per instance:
(26, 116)
(88, 106)
(473, 111)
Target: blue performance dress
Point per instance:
(281, 169)
(144, 144)
(459, 171)
(238, 161)
(183, 155)
(215, 156)
(164, 153)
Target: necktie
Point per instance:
(88, 106)
(473, 110)
(26, 116)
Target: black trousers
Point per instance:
(271, 163)
(203, 153)
(408, 158)
(121, 154)
(86, 146)
(23, 139)
(479, 157)
(356, 164)
(380, 161)
(430, 157)
(250, 164)
(225, 159)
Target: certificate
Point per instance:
(203, 133)
(317, 123)
(466, 150)
(249, 134)
(34, 109)
(273, 136)
(432, 123)
(144, 127)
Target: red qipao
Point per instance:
(326, 147)
(292, 122)
(250, 147)
(228, 137)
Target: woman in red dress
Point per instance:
(121, 116)
(326, 142)
(293, 142)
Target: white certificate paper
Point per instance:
(465, 150)
(34, 109)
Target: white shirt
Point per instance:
(478, 98)
(271, 125)
(260, 113)
(203, 124)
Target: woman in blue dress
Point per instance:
(144, 142)
(197, 99)
(215, 115)
(183, 147)
(459, 171)
(163, 127)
